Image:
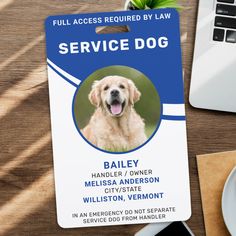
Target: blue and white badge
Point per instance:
(118, 118)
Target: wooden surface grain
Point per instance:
(27, 201)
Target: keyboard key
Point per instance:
(231, 36)
(226, 1)
(225, 22)
(228, 10)
(218, 35)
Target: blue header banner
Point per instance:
(151, 46)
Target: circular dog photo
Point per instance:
(117, 109)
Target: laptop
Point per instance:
(213, 82)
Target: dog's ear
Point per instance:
(94, 95)
(134, 94)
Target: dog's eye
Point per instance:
(122, 86)
(106, 88)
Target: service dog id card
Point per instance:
(118, 118)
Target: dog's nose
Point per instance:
(115, 93)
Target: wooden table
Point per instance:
(27, 201)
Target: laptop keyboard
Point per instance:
(225, 21)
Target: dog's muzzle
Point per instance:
(115, 105)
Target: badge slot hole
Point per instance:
(114, 29)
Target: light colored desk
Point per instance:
(27, 201)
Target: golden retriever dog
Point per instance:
(115, 125)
